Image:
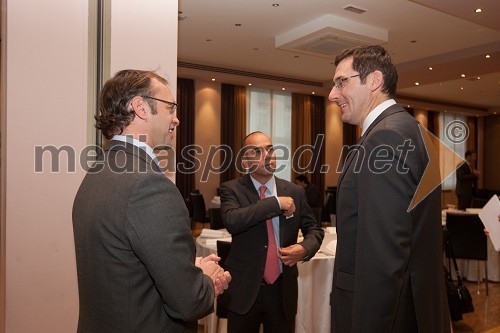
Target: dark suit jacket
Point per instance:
(388, 274)
(134, 250)
(466, 181)
(244, 216)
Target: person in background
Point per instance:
(388, 273)
(467, 177)
(135, 254)
(264, 213)
(313, 194)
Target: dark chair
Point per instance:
(216, 218)
(199, 212)
(467, 238)
(330, 202)
(223, 249)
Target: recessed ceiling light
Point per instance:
(213, 79)
(461, 88)
(479, 78)
(488, 56)
(282, 88)
(463, 75)
(479, 10)
(313, 93)
(416, 83)
(276, 4)
(249, 84)
(430, 68)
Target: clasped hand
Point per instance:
(210, 267)
(292, 254)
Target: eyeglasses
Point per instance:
(340, 82)
(174, 106)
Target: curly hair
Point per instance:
(115, 113)
(367, 59)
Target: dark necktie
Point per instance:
(272, 269)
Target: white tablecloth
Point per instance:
(314, 283)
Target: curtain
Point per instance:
(308, 134)
(233, 127)
(184, 177)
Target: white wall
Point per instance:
(44, 102)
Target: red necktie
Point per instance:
(272, 269)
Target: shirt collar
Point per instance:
(370, 118)
(144, 146)
(270, 186)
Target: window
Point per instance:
(270, 112)
(447, 122)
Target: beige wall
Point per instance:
(207, 136)
(44, 102)
(333, 146)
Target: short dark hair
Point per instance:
(367, 59)
(469, 153)
(114, 113)
(302, 178)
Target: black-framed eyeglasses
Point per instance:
(340, 82)
(174, 106)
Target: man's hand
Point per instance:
(287, 205)
(210, 267)
(292, 254)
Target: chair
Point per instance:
(331, 202)
(216, 218)
(223, 248)
(199, 212)
(467, 238)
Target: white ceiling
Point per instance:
(446, 35)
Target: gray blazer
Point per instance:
(388, 274)
(244, 216)
(134, 250)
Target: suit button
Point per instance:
(265, 247)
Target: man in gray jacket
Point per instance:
(134, 250)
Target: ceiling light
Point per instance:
(356, 10)
(416, 83)
(255, 49)
(488, 56)
(430, 68)
(276, 4)
(213, 79)
(208, 40)
(479, 10)
(282, 88)
(238, 24)
(461, 88)
(463, 75)
(479, 78)
(249, 84)
(313, 93)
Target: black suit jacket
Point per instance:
(466, 181)
(134, 249)
(388, 274)
(244, 216)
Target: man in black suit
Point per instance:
(313, 194)
(467, 177)
(264, 214)
(388, 274)
(135, 254)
